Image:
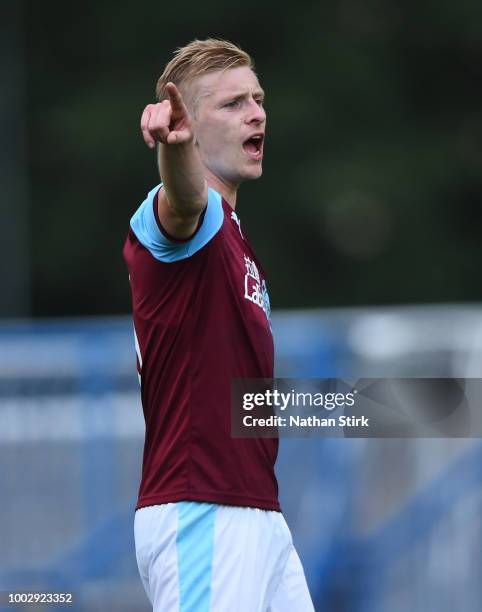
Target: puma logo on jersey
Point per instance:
(235, 218)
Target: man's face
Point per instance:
(229, 124)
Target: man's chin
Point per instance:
(249, 172)
(253, 173)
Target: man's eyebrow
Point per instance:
(258, 93)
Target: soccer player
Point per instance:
(208, 529)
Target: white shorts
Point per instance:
(200, 557)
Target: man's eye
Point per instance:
(232, 104)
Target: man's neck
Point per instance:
(227, 190)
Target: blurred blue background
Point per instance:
(381, 525)
(367, 220)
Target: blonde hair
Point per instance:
(197, 58)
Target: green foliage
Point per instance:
(372, 186)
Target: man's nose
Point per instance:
(256, 113)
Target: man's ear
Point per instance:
(194, 130)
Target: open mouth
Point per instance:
(254, 146)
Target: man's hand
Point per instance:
(168, 121)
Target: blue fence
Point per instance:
(380, 525)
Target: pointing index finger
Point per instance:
(175, 98)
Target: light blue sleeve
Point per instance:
(145, 227)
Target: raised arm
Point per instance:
(185, 192)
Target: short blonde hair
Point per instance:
(197, 58)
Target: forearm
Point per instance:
(185, 194)
(182, 174)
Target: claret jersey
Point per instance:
(201, 318)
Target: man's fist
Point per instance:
(168, 121)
